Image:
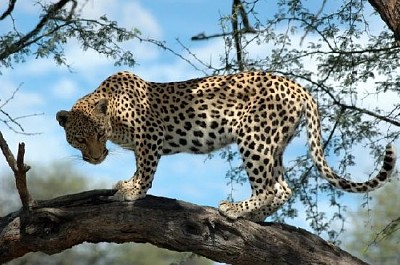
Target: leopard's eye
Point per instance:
(80, 140)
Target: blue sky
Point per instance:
(46, 88)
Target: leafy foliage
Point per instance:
(375, 233)
(60, 23)
(345, 62)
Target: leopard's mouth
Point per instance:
(95, 159)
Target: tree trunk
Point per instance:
(55, 225)
(389, 10)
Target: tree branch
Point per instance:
(58, 224)
(203, 36)
(370, 113)
(22, 42)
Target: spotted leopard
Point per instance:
(258, 111)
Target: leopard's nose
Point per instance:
(102, 156)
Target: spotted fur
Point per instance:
(256, 110)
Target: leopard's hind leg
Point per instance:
(258, 158)
(282, 194)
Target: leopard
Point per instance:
(259, 111)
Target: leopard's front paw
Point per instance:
(127, 191)
(127, 196)
(229, 210)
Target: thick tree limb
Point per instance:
(58, 224)
(52, 226)
(389, 10)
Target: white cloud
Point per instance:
(179, 70)
(65, 88)
(84, 61)
(30, 7)
(129, 14)
(168, 72)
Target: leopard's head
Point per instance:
(86, 128)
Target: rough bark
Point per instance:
(389, 10)
(58, 224)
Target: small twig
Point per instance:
(163, 46)
(20, 178)
(388, 230)
(7, 153)
(19, 168)
(12, 96)
(11, 122)
(194, 57)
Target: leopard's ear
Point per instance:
(101, 106)
(62, 117)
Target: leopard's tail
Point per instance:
(317, 154)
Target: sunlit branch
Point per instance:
(25, 40)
